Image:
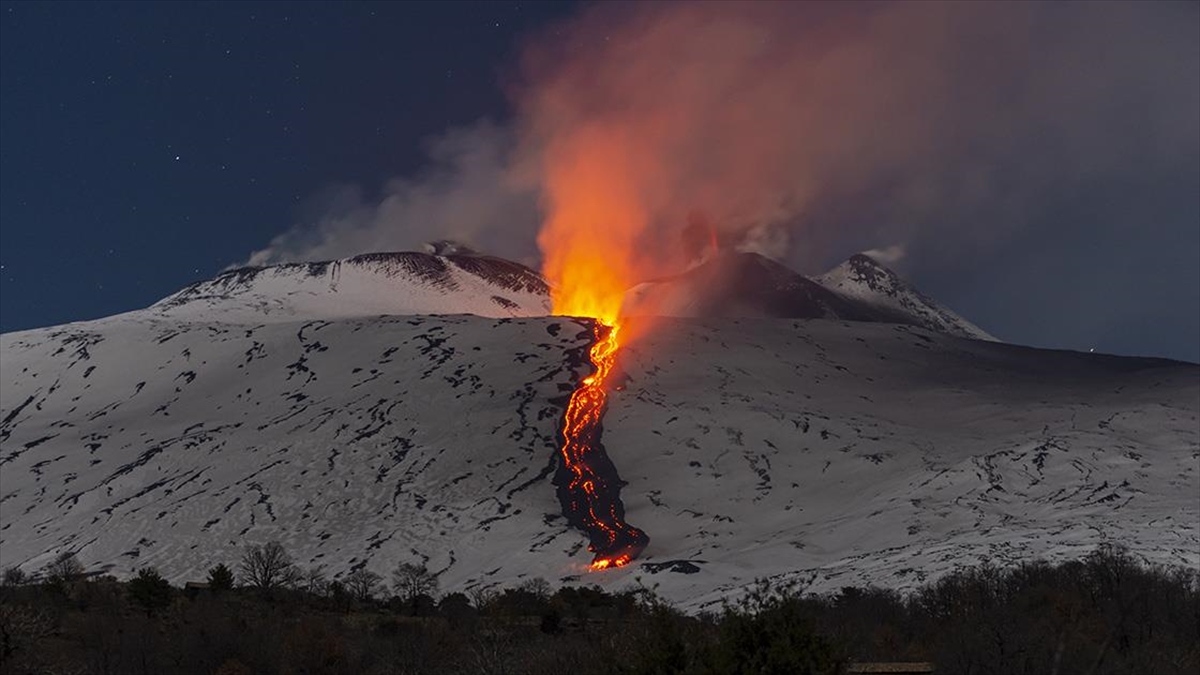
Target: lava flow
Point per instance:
(591, 243)
(588, 485)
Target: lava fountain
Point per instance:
(590, 244)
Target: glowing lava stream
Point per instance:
(589, 491)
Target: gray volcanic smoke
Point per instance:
(947, 131)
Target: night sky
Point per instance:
(149, 145)
(145, 146)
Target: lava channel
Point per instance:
(588, 486)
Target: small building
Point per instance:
(194, 589)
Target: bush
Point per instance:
(13, 576)
(150, 590)
(220, 578)
(769, 632)
(1107, 613)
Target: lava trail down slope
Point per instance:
(588, 486)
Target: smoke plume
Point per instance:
(802, 130)
(467, 192)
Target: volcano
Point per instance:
(389, 408)
(452, 279)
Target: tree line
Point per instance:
(265, 615)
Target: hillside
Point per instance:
(826, 451)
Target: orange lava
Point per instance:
(593, 499)
(605, 563)
(590, 242)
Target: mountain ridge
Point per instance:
(452, 279)
(372, 283)
(866, 279)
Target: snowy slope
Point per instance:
(863, 279)
(374, 283)
(838, 453)
(832, 452)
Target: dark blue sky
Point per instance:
(144, 146)
(148, 145)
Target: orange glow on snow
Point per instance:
(605, 563)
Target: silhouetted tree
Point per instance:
(362, 584)
(150, 590)
(342, 600)
(314, 581)
(1107, 613)
(220, 578)
(266, 566)
(63, 570)
(481, 598)
(409, 581)
(292, 578)
(538, 587)
(457, 609)
(519, 602)
(13, 576)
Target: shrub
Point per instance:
(13, 576)
(220, 578)
(769, 632)
(150, 590)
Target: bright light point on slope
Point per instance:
(605, 563)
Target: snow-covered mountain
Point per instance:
(452, 279)
(374, 283)
(738, 284)
(864, 279)
(827, 451)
